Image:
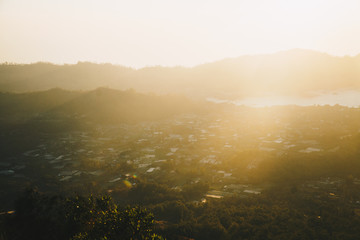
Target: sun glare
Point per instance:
(162, 33)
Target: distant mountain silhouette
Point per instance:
(292, 72)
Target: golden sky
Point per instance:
(141, 33)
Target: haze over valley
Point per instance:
(184, 120)
(292, 73)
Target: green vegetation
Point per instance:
(39, 216)
(284, 212)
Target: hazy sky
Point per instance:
(166, 32)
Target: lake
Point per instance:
(345, 98)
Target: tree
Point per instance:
(40, 216)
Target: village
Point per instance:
(219, 149)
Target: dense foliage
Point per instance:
(39, 216)
(284, 212)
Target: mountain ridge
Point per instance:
(290, 72)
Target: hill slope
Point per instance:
(100, 105)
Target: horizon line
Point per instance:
(178, 65)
